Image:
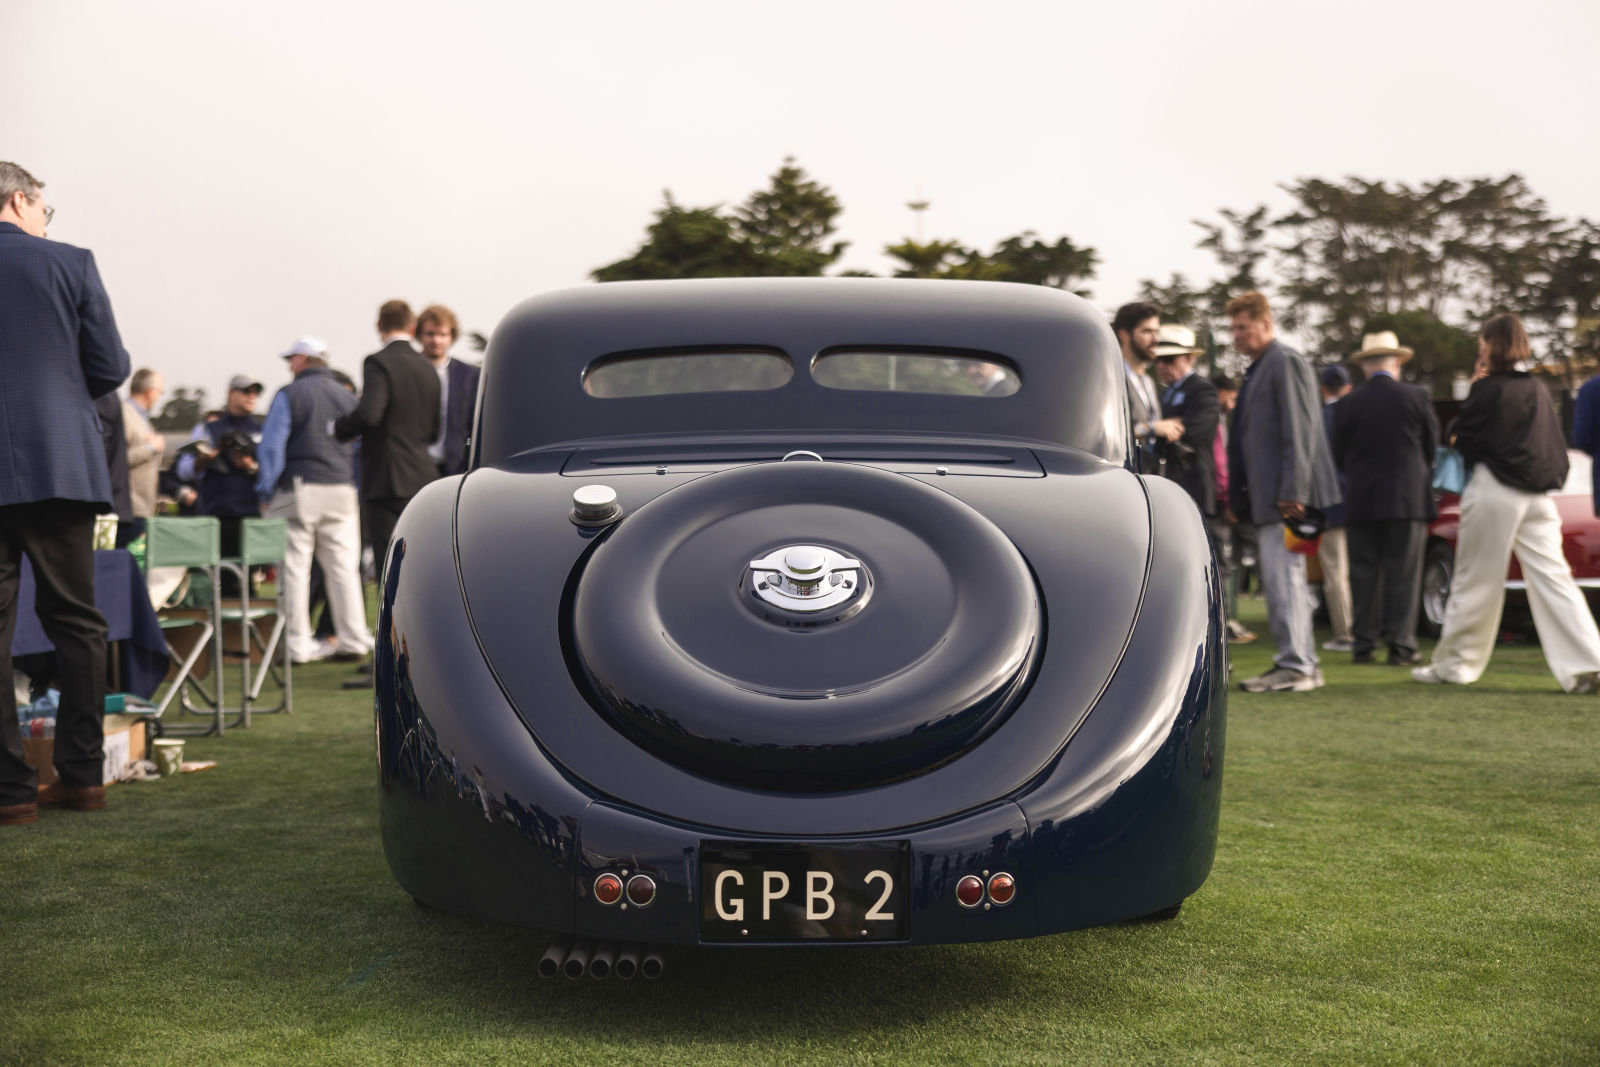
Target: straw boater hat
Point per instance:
(1379, 345)
(1174, 340)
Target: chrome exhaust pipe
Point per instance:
(578, 959)
(600, 962)
(652, 965)
(627, 962)
(555, 956)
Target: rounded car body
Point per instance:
(801, 611)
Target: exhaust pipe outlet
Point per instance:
(627, 962)
(600, 962)
(652, 965)
(555, 956)
(578, 959)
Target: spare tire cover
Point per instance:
(679, 661)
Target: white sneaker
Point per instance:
(320, 650)
(1282, 680)
(1426, 675)
(1336, 645)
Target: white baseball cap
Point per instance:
(306, 346)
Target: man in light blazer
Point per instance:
(1384, 437)
(59, 351)
(145, 443)
(1279, 468)
(437, 330)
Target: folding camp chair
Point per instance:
(196, 544)
(261, 541)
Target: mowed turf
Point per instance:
(1406, 874)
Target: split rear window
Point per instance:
(636, 374)
(891, 371)
(665, 373)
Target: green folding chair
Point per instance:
(261, 542)
(196, 544)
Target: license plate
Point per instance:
(803, 892)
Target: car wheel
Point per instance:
(1438, 568)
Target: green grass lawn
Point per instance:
(1405, 874)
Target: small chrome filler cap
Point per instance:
(595, 505)
(805, 578)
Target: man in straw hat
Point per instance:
(1384, 436)
(1187, 428)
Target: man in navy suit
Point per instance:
(438, 329)
(1384, 437)
(59, 351)
(1186, 433)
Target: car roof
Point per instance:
(1072, 387)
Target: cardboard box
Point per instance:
(127, 738)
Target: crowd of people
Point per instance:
(336, 465)
(1304, 459)
(1281, 459)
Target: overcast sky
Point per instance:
(249, 173)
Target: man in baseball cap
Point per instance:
(219, 472)
(305, 346)
(308, 478)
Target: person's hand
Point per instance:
(155, 440)
(186, 496)
(264, 505)
(1170, 429)
(1291, 509)
(247, 464)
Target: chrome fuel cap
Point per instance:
(805, 578)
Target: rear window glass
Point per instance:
(914, 372)
(665, 373)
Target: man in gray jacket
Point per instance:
(1279, 469)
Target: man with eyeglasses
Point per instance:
(59, 351)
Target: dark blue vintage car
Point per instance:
(800, 611)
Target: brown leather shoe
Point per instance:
(16, 814)
(82, 797)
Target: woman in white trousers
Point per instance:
(1507, 433)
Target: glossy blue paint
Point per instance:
(509, 780)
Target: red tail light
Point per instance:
(1002, 887)
(608, 889)
(969, 891)
(641, 890)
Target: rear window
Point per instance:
(891, 371)
(665, 373)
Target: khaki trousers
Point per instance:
(323, 520)
(1495, 521)
(1334, 555)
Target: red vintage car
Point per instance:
(1580, 542)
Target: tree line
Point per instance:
(1429, 261)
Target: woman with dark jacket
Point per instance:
(1508, 435)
